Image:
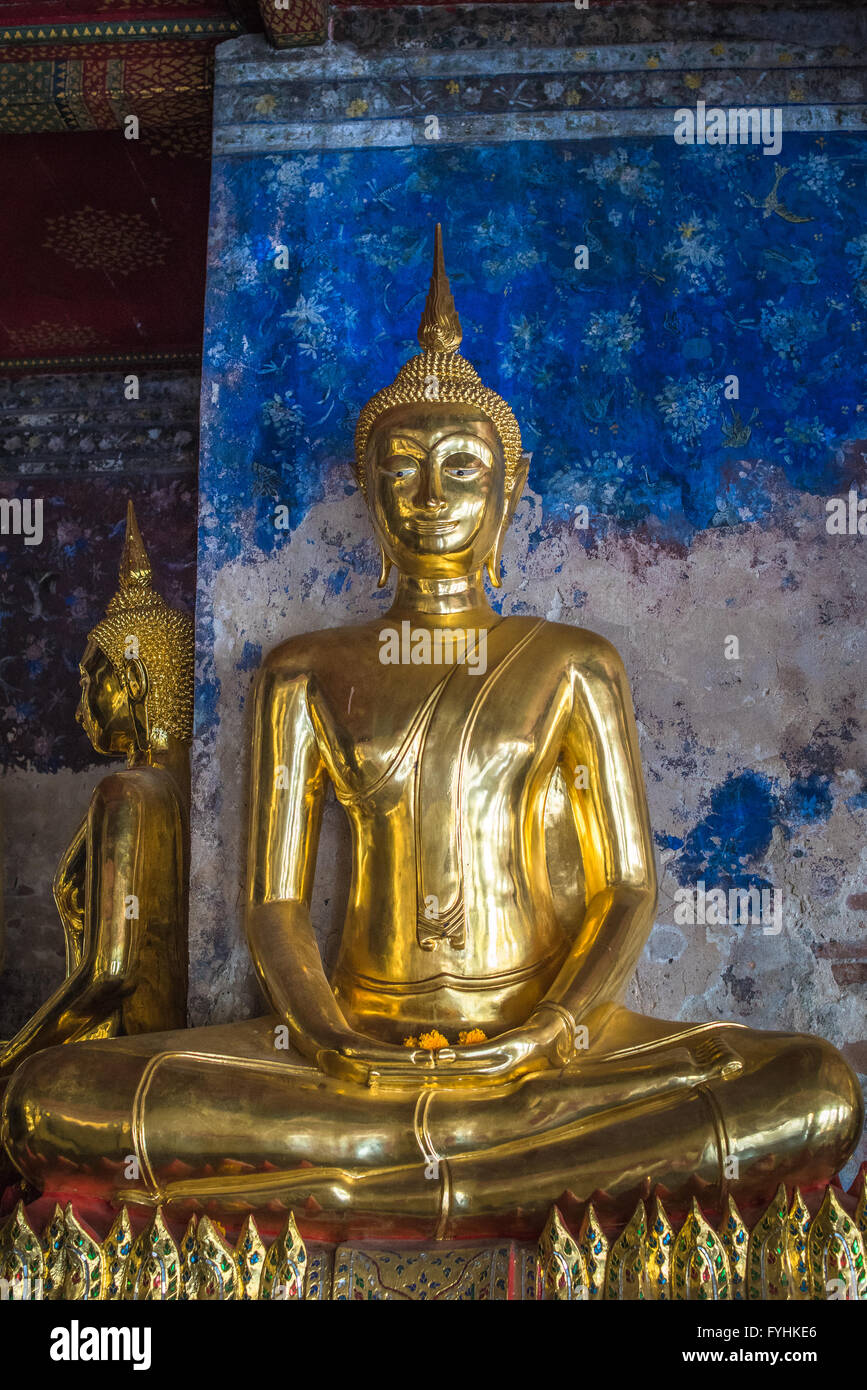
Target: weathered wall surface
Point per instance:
(706, 517)
(75, 442)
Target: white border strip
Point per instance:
(498, 128)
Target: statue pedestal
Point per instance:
(797, 1249)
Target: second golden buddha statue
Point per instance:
(121, 885)
(470, 1060)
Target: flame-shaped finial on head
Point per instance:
(139, 624)
(135, 567)
(440, 327)
(441, 365)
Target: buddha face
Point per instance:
(104, 708)
(436, 484)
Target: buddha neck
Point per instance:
(174, 759)
(459, 597)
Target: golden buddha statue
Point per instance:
(121, 885)
(470, 1060)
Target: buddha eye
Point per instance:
(400, 466)
(462, 466)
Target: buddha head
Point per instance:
(137, 667)
(438, 455)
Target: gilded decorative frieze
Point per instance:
(787, 1255)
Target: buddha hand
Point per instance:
(369, 1063)
(546, 1040)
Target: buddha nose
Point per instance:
(430, 492)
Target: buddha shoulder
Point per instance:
(132, 793)
(583, 654)
(320, 653)
(346, 653)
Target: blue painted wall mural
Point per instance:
(702, 263)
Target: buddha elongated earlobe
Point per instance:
(492, 563)
(513, 497)
(135, 679)
(384, 569)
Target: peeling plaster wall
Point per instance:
(701, 526)
(39, 814)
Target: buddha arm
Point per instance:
(116, 904)
(69, 885)
(611, 816)
(286, 793)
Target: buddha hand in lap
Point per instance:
(502, 890)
